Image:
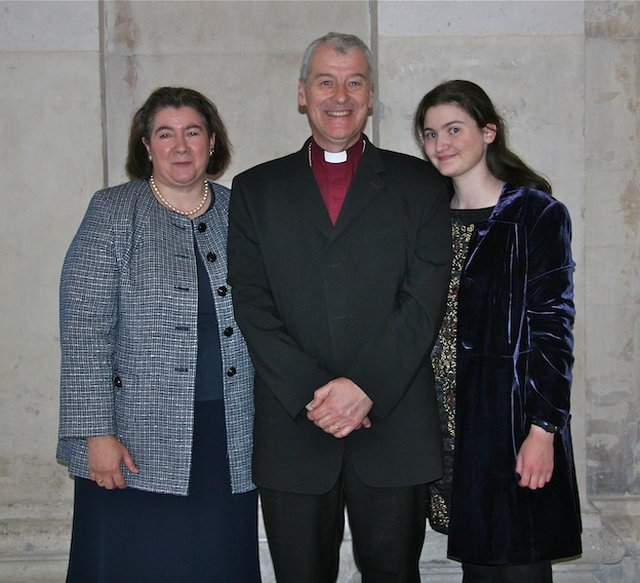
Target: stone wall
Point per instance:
(565, 76)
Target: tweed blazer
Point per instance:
(129, 338)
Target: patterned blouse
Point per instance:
(443, 358)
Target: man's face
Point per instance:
(338, 97)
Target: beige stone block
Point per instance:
(612, 19)
(423, 18)
(218, 27)
(613, 104)
(611, 364)
(245, 56)
(250, 119)
(52, 162)
(38, 25)
(612, 212)
(545, 119)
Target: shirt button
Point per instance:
(228, 331)
(211, 256)
(231, 371)
(117, 382)
(202, 227)
(222, 291)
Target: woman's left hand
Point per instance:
(534, 463)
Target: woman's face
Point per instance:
(179, 147)
(454, 143)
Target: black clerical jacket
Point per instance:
(362, 299)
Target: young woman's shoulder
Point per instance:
(525, 204)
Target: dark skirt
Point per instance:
(129, 535)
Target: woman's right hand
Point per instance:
(105, 455)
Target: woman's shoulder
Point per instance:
(122, 201)
(123, 193)
(524, 202)
(120, 195)
(221, 193)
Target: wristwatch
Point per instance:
(548, 427)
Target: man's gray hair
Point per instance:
(342, 43)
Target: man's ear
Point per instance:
(302, 100)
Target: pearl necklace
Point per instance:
(164, 201)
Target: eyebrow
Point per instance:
(446, 125)
(172, 128)
(332, 76)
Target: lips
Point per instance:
(338, 113)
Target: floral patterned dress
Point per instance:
(443, 358)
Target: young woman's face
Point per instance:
(453, 142)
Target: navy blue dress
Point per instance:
(210, 535)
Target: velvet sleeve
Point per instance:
(550, 314)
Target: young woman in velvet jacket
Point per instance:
(509, 498)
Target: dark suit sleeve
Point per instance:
(280, 362)
(389, 362)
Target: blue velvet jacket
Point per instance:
(514, 342)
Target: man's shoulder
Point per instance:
(405, 170)
(271, 167)
(405, 161)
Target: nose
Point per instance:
(181, 143)
(441, 143)
(341, 94)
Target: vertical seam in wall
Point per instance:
(373, 21)
(103, 89)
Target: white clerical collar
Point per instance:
(335, 157)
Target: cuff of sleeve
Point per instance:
(548, 427)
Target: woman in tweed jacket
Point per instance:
(156, 405)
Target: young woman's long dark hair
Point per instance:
(502, 162)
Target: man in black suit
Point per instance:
(339, 260)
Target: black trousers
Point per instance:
(533, 573)
(305, 531)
